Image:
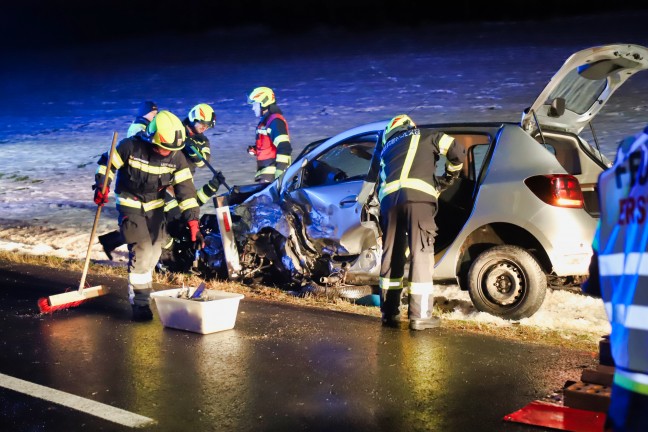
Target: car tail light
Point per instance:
(560, 190)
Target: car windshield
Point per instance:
(346, 161)
(579, 93)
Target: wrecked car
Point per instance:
(521, 215)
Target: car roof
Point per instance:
(585, 82)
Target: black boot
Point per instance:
(110, 242)
(393, 321)
(389, 306)
(142, 313)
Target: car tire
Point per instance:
(507, 281)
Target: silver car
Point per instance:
(521, 216)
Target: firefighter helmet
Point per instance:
(399, 123)
(264, 95)
(167, 131)
(204, 114)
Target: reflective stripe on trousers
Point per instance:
(408, 225)
(145, 235)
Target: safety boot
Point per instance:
(389, 306)
(422, 324)
(392, 321)
(110, 242)
(142, 313)
(420, 312)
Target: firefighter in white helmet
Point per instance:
(408, 192)
(145, 165)
(272, 146)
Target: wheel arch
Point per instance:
(495, 234)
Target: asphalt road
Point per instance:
(281, 368)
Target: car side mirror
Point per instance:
(557, 108)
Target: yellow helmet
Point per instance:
(167, 131)
(399, 123)
(204, 114)
(264, 95)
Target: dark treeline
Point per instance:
(50, 22)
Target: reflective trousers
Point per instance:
(408, 225)
(145, 234)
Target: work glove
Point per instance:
(196, 236)
(100, 198)
(217, 180)
(252, 150)
(445, 181)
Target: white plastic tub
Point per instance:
(215, 314)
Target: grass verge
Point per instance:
(556, 338)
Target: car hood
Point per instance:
(585, 82)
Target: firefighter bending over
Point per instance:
(408, 190)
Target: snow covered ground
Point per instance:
(60, 107)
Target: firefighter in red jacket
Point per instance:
(145, 165)
(272, 147)
(408, 190)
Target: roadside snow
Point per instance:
(60, 108)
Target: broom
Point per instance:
(75, 298)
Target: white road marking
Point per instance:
(97, 409)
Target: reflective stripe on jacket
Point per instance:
(273, 149)
(621, 244)
(139, 125)
(199, 142)
(408, 164)
(143, 176)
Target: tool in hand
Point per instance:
(75, 298)
(212, 169)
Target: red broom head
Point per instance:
(45, 307)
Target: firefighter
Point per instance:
(617, 274)
(197, 147)
(272, 147)
(200, 118)
(178, 254)
(408, 192)
(145, 165)
(145, 113)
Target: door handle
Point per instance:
(348, 201)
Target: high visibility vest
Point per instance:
(622, 244)
(265, 148)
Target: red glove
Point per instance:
(101, 198)
(196, 236)
(252, 151)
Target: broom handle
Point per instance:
(96, 219)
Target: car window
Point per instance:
(579, 93)
(348, 160)
(476, 145)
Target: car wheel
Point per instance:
(508, 282)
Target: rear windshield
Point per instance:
(579, 93)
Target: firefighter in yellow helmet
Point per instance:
(408, 190)
(272, 146)
(197, 147)
(144, 166)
